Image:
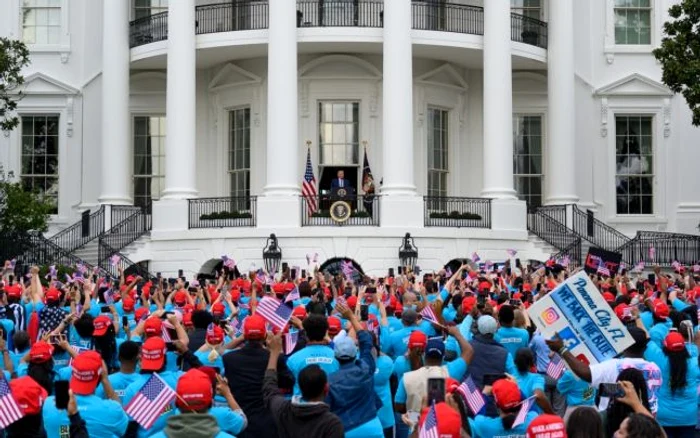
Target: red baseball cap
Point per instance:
(449, 422)
(352, 301)
(101, 324)
(468, 304)
(527, 287)
(279, 288)
(128, 304)
(195, 391)
(484, 285)
(235, 295)
(13, 291)
(547, 426)
(674, 342)
(623, 311)
(28, 394)
(180, 298)
(218, 309)
(506, 394)
(140, 312)
(153, 326)
(87, 368)
(299, 312)
(52, 295)
(187, 320)
(661, 310)
(153, 354)
(40, 352)
(417, 339)
(609, 297)
(334, 325)
(215, 334)
(254, 327)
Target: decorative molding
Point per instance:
(64, 57)
(148, 83)
(610, 58)
(6, 134)
(667, 118)
(604, 117)
(444, 76)
(69, 116)
(634, 85)
(232, 75)
(42, 84)
(374, 100)
(304, 98)
(363, 69)
(256, 106)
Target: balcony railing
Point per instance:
(365, 212)
(222, 212)
(668, 248)
(81, 232)
(457, 212)
(254, 15)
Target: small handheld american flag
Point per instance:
(639, 267)
(275, 312)
(524, 409)
(9, 409)
(428, 314)
(472, 395)
(430, 426)
(229, 263)
(290, 342)
(556, 367)
(652, 253)
(114, 260)
(602, 270)
(511, 252)
(293, 295)
(476, 258)
(149, 401)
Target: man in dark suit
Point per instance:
(340, 181)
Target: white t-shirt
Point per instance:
(607, 372)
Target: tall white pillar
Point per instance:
(116, 144)
(181, 99)
(561, 127)
(498, 101)
(283, 166)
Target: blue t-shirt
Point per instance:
(162, 434)
(170, 378)
(320, 355)
(679, 408)
(455, 369)
(398, 341)
(528, 384)
(578, 392)
(512, 338)
(103, 418)
(487, 427)
(659, 331)
(203, 357)
(382, 373)
(120, 382)
(229, 421)
(401, 366)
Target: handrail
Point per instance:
(668, 248)
(105, 251)
(528, 30)
(72, 238)
(339, 13)
(231, 211)
(448, 17)
(604, 236)
(550, 230)
(126, 232)
(456, 212)
(38, 250)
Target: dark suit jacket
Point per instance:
(335, 183)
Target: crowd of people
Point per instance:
(246, 354)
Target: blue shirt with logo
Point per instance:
(103, 418)
(320, 355)
(577, 391)
(512, 338)
(382, 373)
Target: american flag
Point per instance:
(556, 367)
(675, 265)
(639, 267)
(652, 253)
(109, 297)
(165, 334)
(53, 272)
(347, 268)
(149, 401)
(511, 252)
(602, 270)
(476, 258)
(430, 426)
(275, 312)
(290, 342)
(696, 268)
(260, 276)
(428, 314)
(81, 268)
(13, 264)
(621, 268)
(565, 261)
(471, 394)
(524, 409)
(114, 260)
(372, 326)
(308, 186)
(229, 263)
(448, 272)
(235, 325)
(293, 295)
(341, 300)
(9, 409)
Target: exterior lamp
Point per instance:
(272, 255)
(408, 253)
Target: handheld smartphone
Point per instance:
(10, 279)
(417, 270)
(54, 339)
(490, 379)
(180, 273)
(364, 312)
(613, 390)
(125, 321)
(165, 315)
(293, 273)
(400, 270)
(60, 391)
(380, 280)
(285, 266)
(105, 309)
(436, 390)
(481, 300)
(371, 290)
(158, 275)
(223, 323)
(303, 274)
(391, 272)
(652, 279)
(514, 303)
(169, 346)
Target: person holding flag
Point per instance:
(508, 400)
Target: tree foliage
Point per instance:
(679, 53)
(21, 211)
(14, 56)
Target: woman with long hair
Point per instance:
(639, 426)
(210, 353)
(618, 409)
(678, 397)
(531, 383)
(105, 341)
(584, 422)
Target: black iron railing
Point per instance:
(364, 211)
(105, 252)
(573, 253)
(556, 212)
(121, 212)
(232, 16)
(123, 233)
(600, 234)
(222, 212)
(457, 212)
(668, 248)
(528, 30)
(148, 30)
(448, 17)
(340, 13)
(35, 249)
(81, 232)
(554, 233)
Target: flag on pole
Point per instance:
(367, 180)
(428, 314)
(621, 268)
(293, 295)
(639, 267)
(165, 334)
(347, 268)
(524, 409)
(676, 265)
(511, 252)
(308, 186)
(602, 270)
(290, 342)
(472, 395)
(652, 253)
(448, 272)
(109, 297)
(696, 268)
(53, 272)
(476, 258)
(229, 263)
(556, 367)
(430, 426)
(565, 261)
(149, 401)
(114, 260)
(275, 312)
(260, 276)
(9, 409)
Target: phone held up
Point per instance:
(436, 390)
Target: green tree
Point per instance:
(21, 211)
(14, 56)
(679, 54)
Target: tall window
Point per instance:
(339, 126)
(634, 164)
(528, 8)
(527, 158)
(40, 157)
(149, 159)
(41, 21)
(146, 8)
(633, 22)
(239, 155)
(438, 165)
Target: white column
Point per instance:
(116, 143)
(397, 106)
(283, 165)
(181, 135)
(561, 127)
(498, 101)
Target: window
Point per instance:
(149, 159)
(239, 157)
(634, 166)
(527, 158)
(438, 165)
(339, 126)
(633, 22)
(146, 8)
(40, 157)
(41, 21)
(528, 8)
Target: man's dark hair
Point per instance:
(201, 319)
(312, 382)
(84, 325)
(20, 339)
(304, 289)
(315, 327)
(129, 351)
(506, 315)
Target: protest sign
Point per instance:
(577, 313)
(597, 257)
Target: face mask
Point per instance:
(410, 307)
